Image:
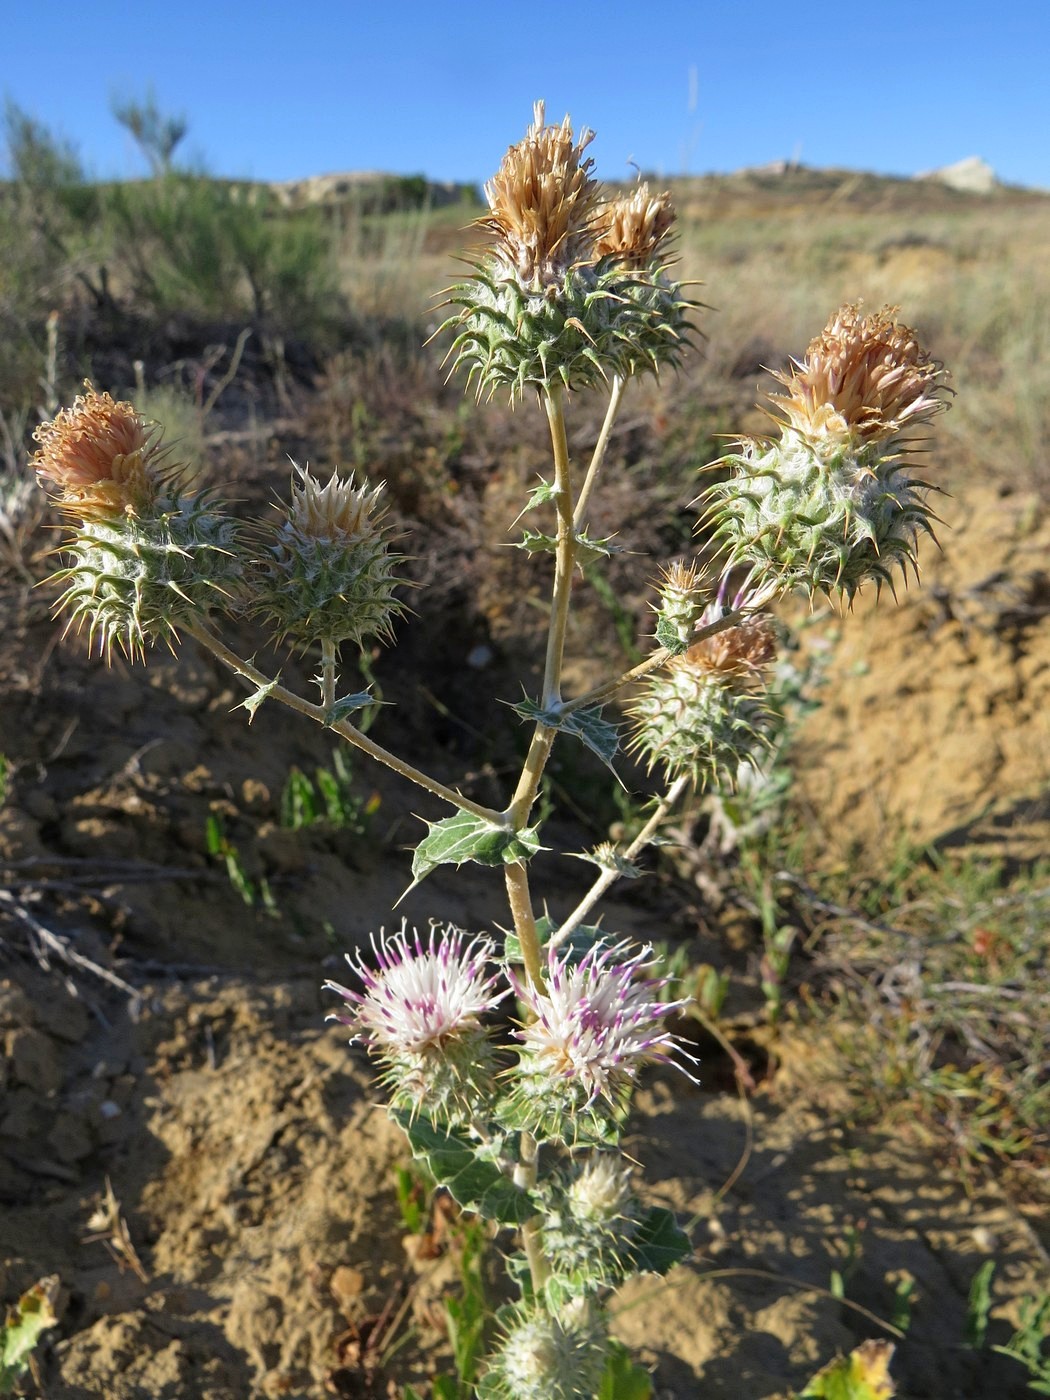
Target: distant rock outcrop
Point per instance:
(972, 174)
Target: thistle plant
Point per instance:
(509, 1058)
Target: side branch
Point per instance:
(252, 677)
(609, 877)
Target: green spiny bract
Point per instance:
(134, 579)
(452, 1084)
(596, 322)
(327, 574)
(549, 1358)
(823, 521)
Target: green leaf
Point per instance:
(537, 543)
(545, 492)
(347, 705)
(659, 1243)
(667, 636)
(624, 1379)
(863, 1375)
(607, 857)
(464, 837)
(32, 1315)
(257, 697)
(588, 550)
(474, 1184)
(601, 737)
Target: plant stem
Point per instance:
(520, 900)
(253, 677)
(328, 674)
(525, 1176)
(565, 548)
(598, 456)
(609, 877)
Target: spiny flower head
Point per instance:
(597, 1022)
(600, 1189)
(541, 204)
(147, 555)
(327, 574)
(544, 306)
(703, 714)
(336, 513)
(541, 1357)
(835, 500)
(632, 228)
(420, 1014)
(420, 996)
(681, 604)
(99, 455)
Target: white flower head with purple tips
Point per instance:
(419, 997)
(598, 1021)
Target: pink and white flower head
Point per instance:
(420, 1014)
(597, 1022)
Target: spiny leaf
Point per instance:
(537, 543)
(464, 837)
(474, 1184)
(256, 698)
(659, 1243)
(601, 737)
(607, 857)
(347, 705)
(667, 636)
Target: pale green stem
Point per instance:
(598, 456)
(520, 900)
(609, 877)
(525, 1176)
(328, 674)
(565, 549)
(253, 677)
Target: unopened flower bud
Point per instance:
(681, 605)
(329, 572)
(550, 1358)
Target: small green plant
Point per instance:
(330, 797)
(1030, 1344)
(219, 845)
(23, 1327)
(863, 1375)
(979, 1305)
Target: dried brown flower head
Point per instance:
(633, 227)
(97, 455)
(542, 202)
(736, 657)
(866, 377)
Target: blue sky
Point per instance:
(279, 91)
